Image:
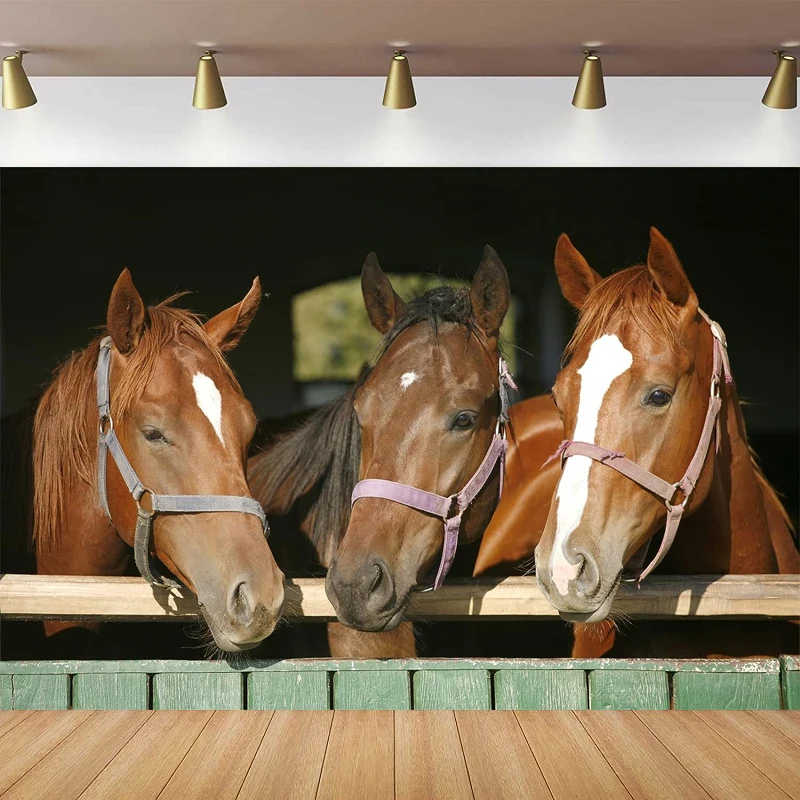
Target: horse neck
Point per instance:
(730, 532)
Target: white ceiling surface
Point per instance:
(356, 37)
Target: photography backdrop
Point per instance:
(67, 233)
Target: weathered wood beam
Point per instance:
(29, 597)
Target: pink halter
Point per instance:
(451, 508)
(652, 483)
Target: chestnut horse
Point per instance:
(637, 380)
(425, 416)
(184, 425)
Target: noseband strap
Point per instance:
(108, 443)
(451, 508)
(668, 492)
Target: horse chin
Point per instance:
(381, 625)
(599, 613)
(224, 642)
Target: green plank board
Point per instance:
(457, 690)
(337, 665)
(289, 691)
(198, 691)
(622, 690)
(372, 690)
(37, 692)
(126, 691)
(6, 693)
(540, 690)
(735, 691)
(790, 682)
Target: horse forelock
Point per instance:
(65, 422)
(633, 295)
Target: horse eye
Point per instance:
(153, 435)
(463, 422)
(659, 398)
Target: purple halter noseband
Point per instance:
(451, 508)
(652, 483)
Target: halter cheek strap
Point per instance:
(451, 508)
(652, 483)
(109, 444)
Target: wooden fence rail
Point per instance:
(30, 597)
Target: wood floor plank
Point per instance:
(787, 722)
(217, 763)
(717, 766)
(144, 765)
(555, 737)
(77, 760)
(10, 719)
(428, 759)
(34, 738)
(646, 767)
(499, 761)
(359, 761)
(289, 761)
(761, 744)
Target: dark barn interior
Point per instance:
(67, 233)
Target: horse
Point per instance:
(419, 421)
(646, 373)
(172, 418)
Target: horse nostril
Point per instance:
(240, 603)
(376, 581)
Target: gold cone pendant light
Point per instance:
(17, 92)
(782, 89)
(399, 92)
(590, 92)
(208, 91)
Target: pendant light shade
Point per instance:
(782, 89)
(17, 92)
(208, 91)
(590, 92)
(399, 92)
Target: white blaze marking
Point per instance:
(407, 378)
(607, 360)
(210, 401)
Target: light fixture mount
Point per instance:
(17, 91)
(782, 89)
(590, 91)
(399, 91)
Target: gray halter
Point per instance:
(159, 503)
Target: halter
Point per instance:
(451, 508)
(159, 503)
(652, 483)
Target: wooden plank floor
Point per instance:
(408, 755)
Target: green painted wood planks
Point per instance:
(541, 690)
(457, 690)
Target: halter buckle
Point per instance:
(138, 499)
(719, 334)
(671, 504)
(106, 424)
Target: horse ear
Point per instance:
(228, 327)
(667, 272)
(384, 305)
(490, 294)
(575, 277)
(125, 317)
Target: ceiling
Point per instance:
(356, 37)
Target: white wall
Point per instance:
(458, 122)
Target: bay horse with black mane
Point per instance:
(654, 443)
(415, 446)
(168, 475)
